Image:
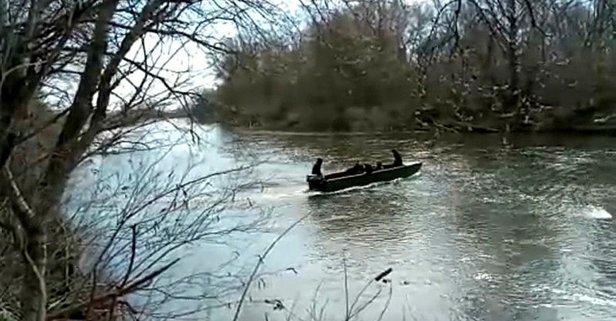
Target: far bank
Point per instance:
(430, 128)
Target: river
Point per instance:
(483, 232)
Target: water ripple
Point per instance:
(484, 233)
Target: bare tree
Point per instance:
(140, 223)
(91, 45)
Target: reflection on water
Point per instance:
(483, 233)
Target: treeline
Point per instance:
(492, 65)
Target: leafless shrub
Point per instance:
(101, 71)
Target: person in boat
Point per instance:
(357, 169)
(368, 168)
(316, 168)
(379, 166)
(397, 158)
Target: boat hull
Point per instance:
(339, 183)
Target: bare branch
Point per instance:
(260, 262)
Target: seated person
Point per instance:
(368, 168)
(379, 165)
(357, 169)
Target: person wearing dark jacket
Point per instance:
(316, 168)
(357, 169)
(397, 158)
(379, 166)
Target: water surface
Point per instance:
(483, 232)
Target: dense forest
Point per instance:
(480, 65)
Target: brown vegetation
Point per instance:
(56, 260)
(483, 65)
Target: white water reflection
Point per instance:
(596, 212)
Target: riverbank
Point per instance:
(79, 285)
(428, 132)
(355, 120)
(470, 139)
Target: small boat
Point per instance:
(341, 180)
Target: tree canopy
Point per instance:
(484, 64)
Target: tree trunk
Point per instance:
(34, 290)
(513, 101)
(513, 59)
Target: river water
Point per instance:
(483, 232)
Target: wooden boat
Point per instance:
(341, 180)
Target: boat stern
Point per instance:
(314, 181)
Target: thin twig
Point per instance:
(133, 253)
(386, 303)
(25, 214)
(347, 314)
(260, 262)
(118, 293)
